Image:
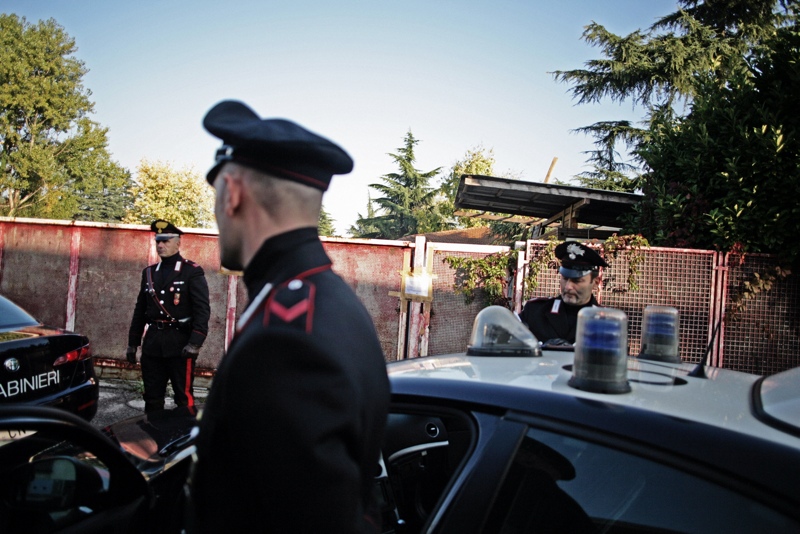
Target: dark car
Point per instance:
(60, 474)
(505, 438)
(43, 365)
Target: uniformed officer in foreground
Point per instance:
(290, 435)
(173, 304)
(554, 320)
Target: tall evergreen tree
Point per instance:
(326, 224)
(408, 204)
(727, 175)
(361, 228)
(54, 161)
(658, 68)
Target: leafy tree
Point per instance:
(54, 161)
(658, 68)
(326, 227)
(408, 205)
(476, 160)
(727, 175)
(179, 196)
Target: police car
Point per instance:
(506, 437)
(512, 438)
(43, 365)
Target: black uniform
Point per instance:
(177, 316)
(290, 435)
(552, 318)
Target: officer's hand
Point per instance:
(130, 354)
(191, 350)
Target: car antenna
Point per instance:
(699, 371)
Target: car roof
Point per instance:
(766, 407)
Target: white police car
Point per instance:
(509, 438)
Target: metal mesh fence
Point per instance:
(763, 337)
(681, 279)
(451, 317)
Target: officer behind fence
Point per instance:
(290, 435)
(173, 303)
(554, 320)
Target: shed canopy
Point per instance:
(573, 210)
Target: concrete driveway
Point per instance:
(121, 398)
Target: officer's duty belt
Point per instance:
(161, 325)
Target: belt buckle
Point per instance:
(160, 325)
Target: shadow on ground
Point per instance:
(121, 399)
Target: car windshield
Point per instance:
(12, 316)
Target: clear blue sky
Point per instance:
(458, 74)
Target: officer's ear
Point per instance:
(597, 280)
(232, 191)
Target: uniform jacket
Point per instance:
(290, 435)
(551, 318)
(182, 291)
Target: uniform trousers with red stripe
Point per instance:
(157, 371)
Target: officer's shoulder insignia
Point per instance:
(190, 262)
(291, 304)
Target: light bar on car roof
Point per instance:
(601, 351)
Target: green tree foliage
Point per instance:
(54, 161)
(727, 175)
(180, 196)
(658, 69)
(408, 205)
(361, 228)
(326, 226)
(478, 161)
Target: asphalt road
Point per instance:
(121, 399)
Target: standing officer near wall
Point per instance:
(554, 320)
(290, 435)
(173, 303)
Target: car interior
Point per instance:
(422, 451)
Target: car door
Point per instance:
(59, 474)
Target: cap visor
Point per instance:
(573, 273)
(211, 175)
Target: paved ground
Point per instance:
(121, 399)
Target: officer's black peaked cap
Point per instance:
(578, 260)
(165, 230)
(275, 146)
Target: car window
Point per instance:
(423, 450)
(47, 483)
(12, 316)
(559, 483)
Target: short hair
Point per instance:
(280, 197)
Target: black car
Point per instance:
(60, 474)
(505, 438)
(43, 365)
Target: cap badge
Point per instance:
(161, 226)
(574, 250)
